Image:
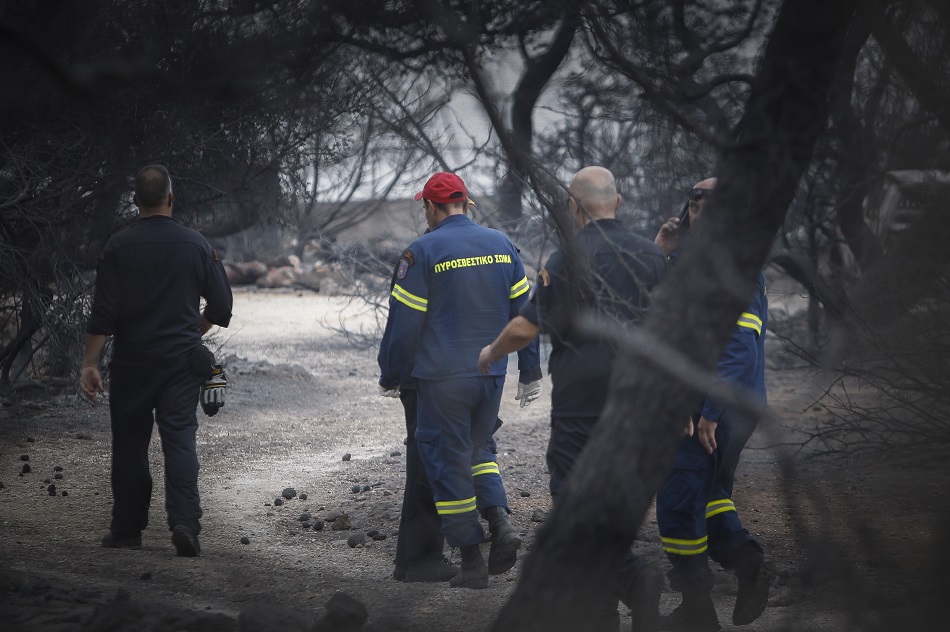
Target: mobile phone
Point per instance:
(684, 218)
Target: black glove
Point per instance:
(212, 391)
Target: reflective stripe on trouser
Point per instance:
(455, 421)
(696, 516)
(489, 489)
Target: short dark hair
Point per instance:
(152, 186)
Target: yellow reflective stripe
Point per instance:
(519, 288)
(407, 298)
(719, 506)
(751, 321)
(445, 507)
(685, 547)
(485, 468)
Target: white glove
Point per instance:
(388, 392)
(527, 393)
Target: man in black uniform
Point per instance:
(150, 279)
(615, 271)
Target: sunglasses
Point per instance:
(698, 194)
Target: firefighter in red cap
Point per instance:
(456, 288)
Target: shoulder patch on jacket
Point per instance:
(402, 269)
(545, 277)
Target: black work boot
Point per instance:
(505, 541)
(696, 614)
(118, 541)
(474, 573)
(428, 570)
(185, 541)
(754, 575)
(643, 599)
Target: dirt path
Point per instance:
(300, 398)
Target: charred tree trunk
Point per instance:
(538, 72)
(576, 557)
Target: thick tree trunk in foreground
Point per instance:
(579, 547)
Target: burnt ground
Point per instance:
(853, 537)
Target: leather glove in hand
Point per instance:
(527, 393)
(212, 391)
(388, 392)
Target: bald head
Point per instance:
(595, 191)
(709, 184)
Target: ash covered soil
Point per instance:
(301, 397)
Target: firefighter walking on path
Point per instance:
(456, 288)
(613, 275)
(694, 509)
(150, 279)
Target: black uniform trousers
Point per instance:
(569, 435)
(420, 533)
(140, 397)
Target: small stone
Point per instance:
(245, 540)
(30, 439)
(318, 524)
(304, 517)
(355, 540)
(395, 453)
(24, 457)
(305, 525)
(303, 496)
(146, 575)
(379, 537)
(65, 493)
(57, 468)
(2, 485)
(342, 523)
(26, 469)
(47, 480)
(387, 492)
(355, 489)
(371, 533)
(267, 504)
(52, 490)
(333, 514)
(538, 515)
(525, 494)
(347, 456)
(58, 476)
(278, 502)
(366, 488)
(289, 492)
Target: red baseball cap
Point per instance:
(444, 188)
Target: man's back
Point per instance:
(466, 280)
(150, 280)
(615, 272)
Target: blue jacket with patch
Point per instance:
(743, 362)
(456, 288)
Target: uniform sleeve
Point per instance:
(529, 358)
(549, 300)
(217, 291)
(105, 305)
(408, 304)
(738, 367)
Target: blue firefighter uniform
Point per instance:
(695, 511)
(456, 288)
